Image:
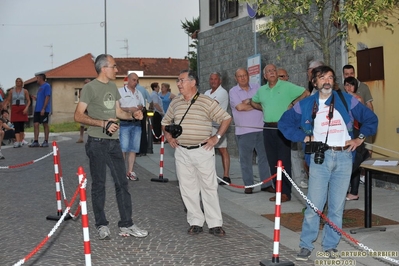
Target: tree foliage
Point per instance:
(191, 28)
(322, 21)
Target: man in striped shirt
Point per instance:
(195, 153)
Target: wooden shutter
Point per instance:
(233, 9)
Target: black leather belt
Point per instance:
(98, 139)
(339, 148)
(123, 120)
(271, 124)
(193, 147)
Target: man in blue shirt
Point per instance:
(42, 111)
(324, 121)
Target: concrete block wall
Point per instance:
(227, 47)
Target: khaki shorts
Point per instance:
(222, 142)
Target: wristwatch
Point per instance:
(361, 136)
(218, 136)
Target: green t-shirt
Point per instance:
(101, 101)
(275, 100)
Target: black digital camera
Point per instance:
(107, 127)
(318, 148)
(174, 130)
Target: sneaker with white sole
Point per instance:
(132, 231)
(103, 232)
(303, 184)
(132, 176)
(304, 254)
(17, 144)
(1, 156)
(24, 142)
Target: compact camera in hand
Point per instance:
(318, 148)
(107, 127)
(174, 130)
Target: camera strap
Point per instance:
(192, 102)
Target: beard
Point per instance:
(326, 88)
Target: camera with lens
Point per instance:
(174, 130)
(318, 148)
(107, 127)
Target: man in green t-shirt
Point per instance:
(274, 98)
(100, 98)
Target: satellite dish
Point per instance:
(252, 9)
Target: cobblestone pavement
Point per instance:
(28, 197)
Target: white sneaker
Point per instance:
(132, 176)
(362, 179)
(103, 232)
(24, 142)
(303, 184)
(17, 144)
(1, 156)
(132, 231)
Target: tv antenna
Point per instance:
(51, 54)
(126, 47)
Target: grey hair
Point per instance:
(100, 62)
(315, 63)
(216, 73)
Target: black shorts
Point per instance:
(37, 118)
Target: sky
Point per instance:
(73, 28)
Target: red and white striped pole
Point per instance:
(161, 152)
(85, 219)
(277, 216)
(57, 184)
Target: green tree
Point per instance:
(321, 21)
(191, 28)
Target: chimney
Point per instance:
(170, 60)
(141, 61)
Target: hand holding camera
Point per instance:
(110, 128)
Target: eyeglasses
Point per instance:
(114, 66)
(271, 71)
(182, 80)
(242, 76)
(283, 76)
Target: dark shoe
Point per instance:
(304, 254)
(194, 230)
(284, 198)
(34, 144)
(269, 189)
(217, 231)
(225, 179)
(3, 144)
(331, 253)
(248, 190)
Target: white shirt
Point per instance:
(130, 99)
(337, 131)
(221, 96)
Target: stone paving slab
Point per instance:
(28, 197)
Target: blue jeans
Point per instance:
(247, 143)
(130, 136)
(103, 153)
(327, 181)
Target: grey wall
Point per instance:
(227, 47)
